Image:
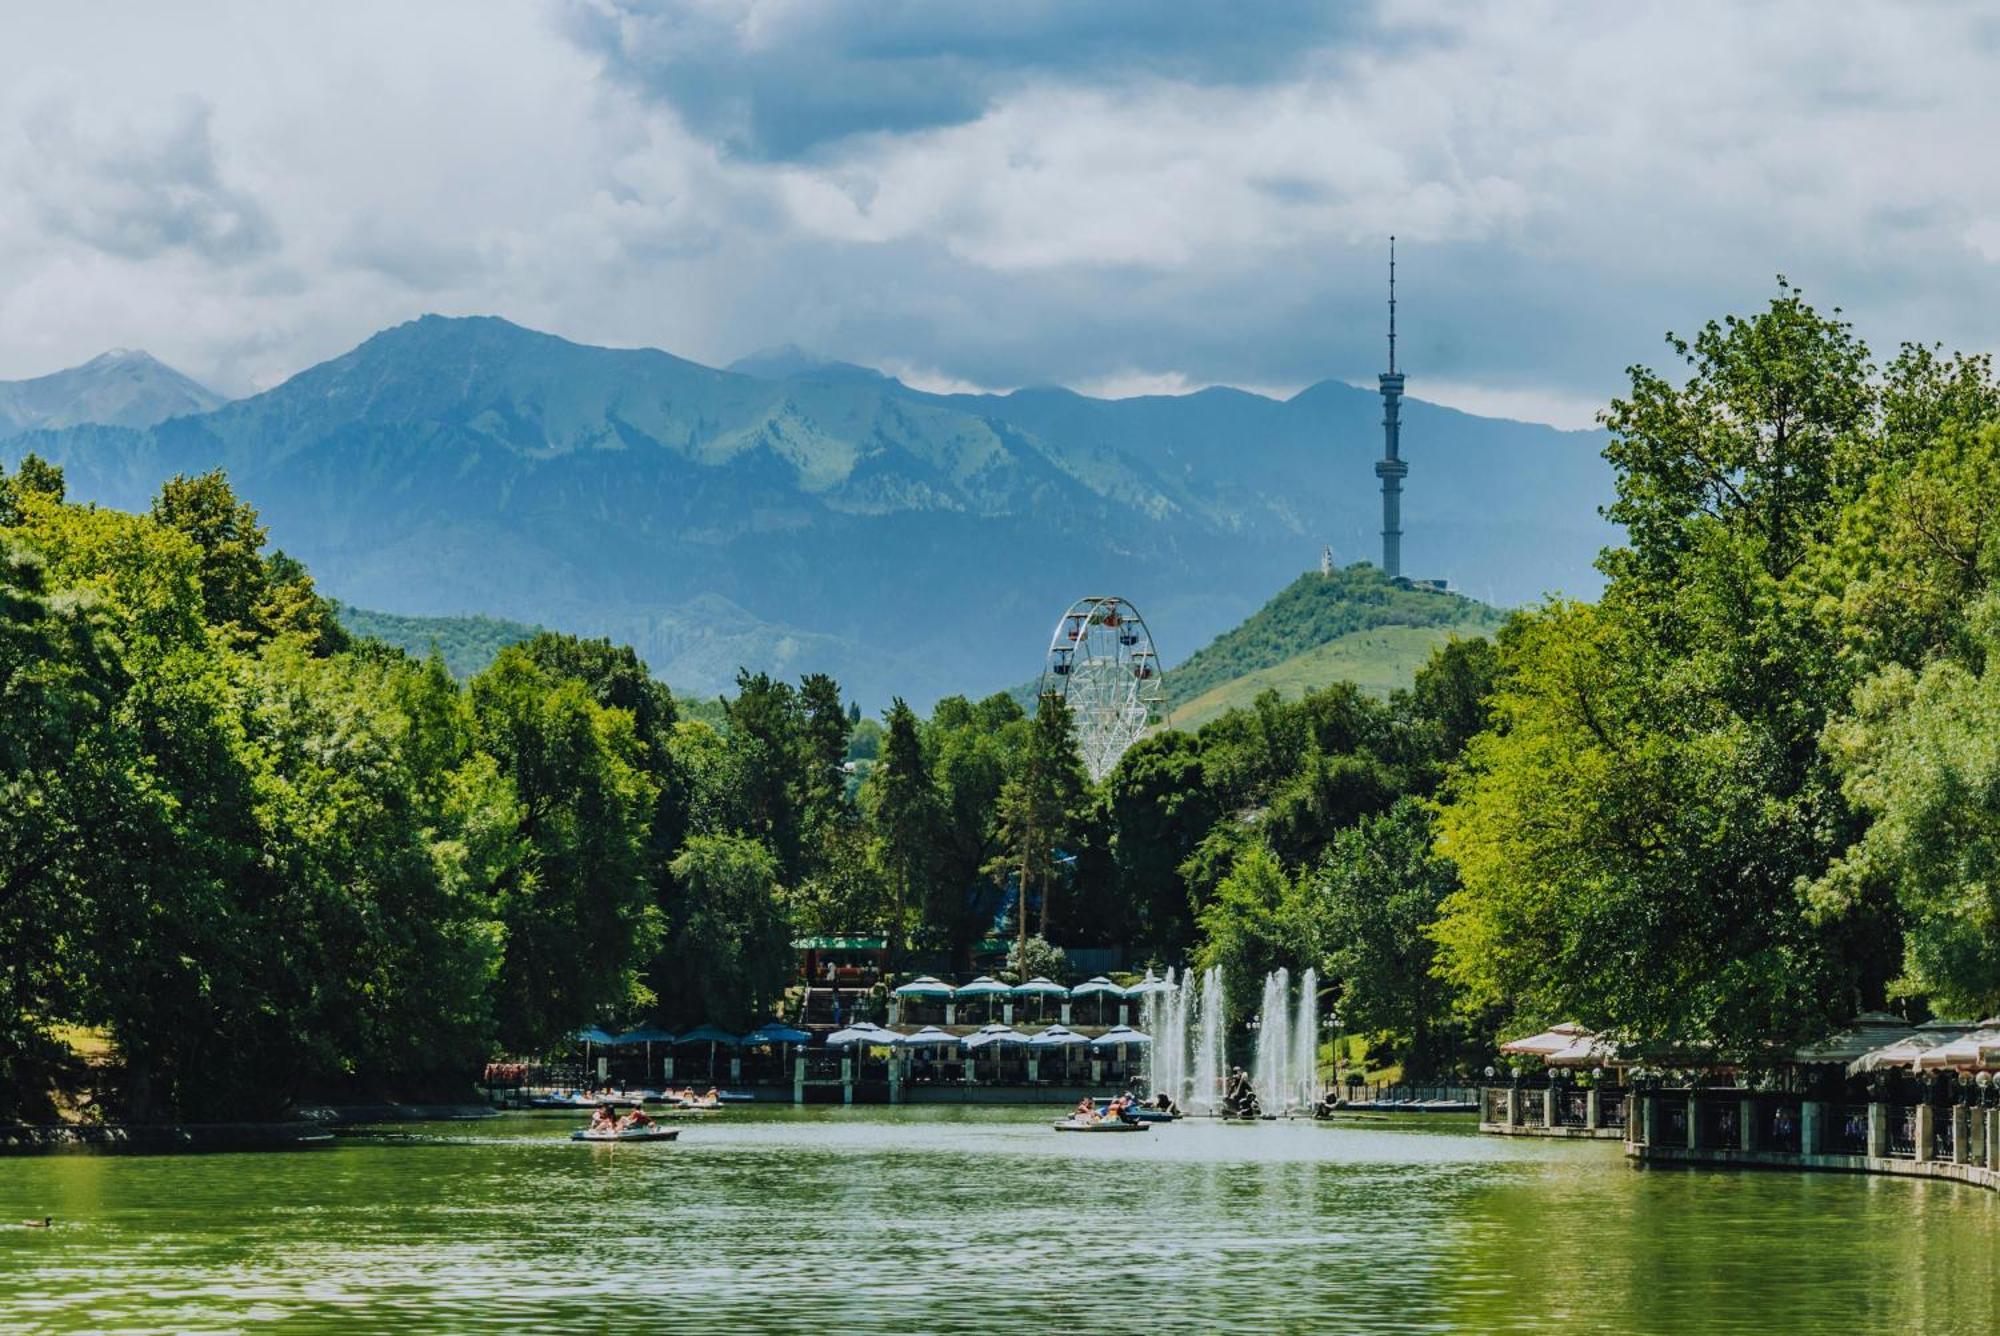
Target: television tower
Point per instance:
(1390, 468)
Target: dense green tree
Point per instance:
(1635, 833)
(60, 673)
(230, 539)
(1363, 913)
(1250, 928)
(731, 937)
(1039, 804)
(34, 476)
(580, 915)
(1921, 755)
(907, 818)
(1160, 810)
(971, 749)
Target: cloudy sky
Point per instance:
(1121, 196)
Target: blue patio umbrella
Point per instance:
(593, 1036)
(863, 1032)
(714, 1037)
(988, 987)
(926, 986)
(1060, 1037)
(1148, 985)
(929, 1037)
(775, 1032)
(1040, 989)
(1120, 1034)
(648, 1035)
(995, 1034)
(1099, 988)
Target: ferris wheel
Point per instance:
(1101, 662)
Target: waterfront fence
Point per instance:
(1847, 1132)
(1902, 1133)
(1399, 1092)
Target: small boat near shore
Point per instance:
(1099, 1125)
(628, 1134)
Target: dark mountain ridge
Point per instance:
(911, 543)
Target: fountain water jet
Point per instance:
(1206, 1068)
(1305, 1043)
(1270, 1071)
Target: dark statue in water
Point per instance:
(1238, 1099)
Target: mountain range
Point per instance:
(792, 514)
(120, 388)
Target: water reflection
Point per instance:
(952, 1219)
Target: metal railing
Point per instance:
(1902, 1133)
(1383, 1092)
(1611, 1106)
(1847, 1129)
(1721, 1123)
(1572, 1108)
(1779, 1128)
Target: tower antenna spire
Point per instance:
(1392, 303)
(1391, 468)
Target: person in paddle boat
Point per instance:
(602, 1121)
(713, 1097)
(1084, 1112)
(634, 1121)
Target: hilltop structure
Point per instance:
(1390, 468)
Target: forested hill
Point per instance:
(467, 643)
(797, 517)
(1313, 612)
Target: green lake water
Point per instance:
(949, 1219)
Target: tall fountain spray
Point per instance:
(1167, 1013)
(1270, 1072)
(1205, 1090)
(1305, 1043)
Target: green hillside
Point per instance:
(468, 643)
(1378, 660)
(1313, 613)
(471, 642)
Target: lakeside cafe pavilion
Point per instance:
(1880, 1095)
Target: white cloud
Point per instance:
(1035, 197)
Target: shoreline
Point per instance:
(311, 1127)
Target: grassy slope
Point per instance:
(1352, 625)
(1378, 660)
(1312, 611)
